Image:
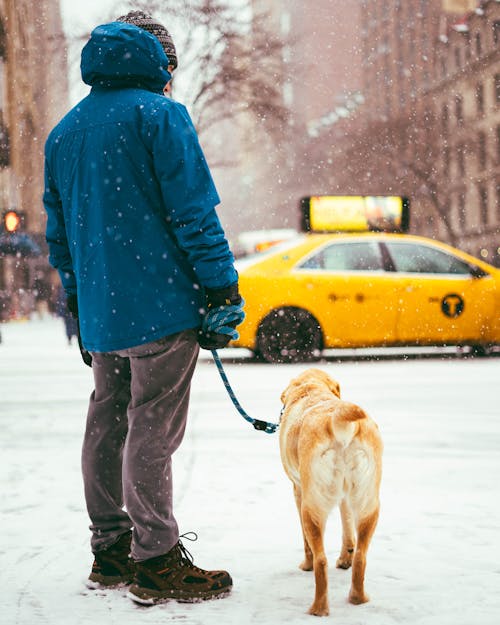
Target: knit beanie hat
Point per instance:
(148, 23)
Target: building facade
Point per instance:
(431, 71)
(33, 96)
(385, 96)
(398, 49)
(466, 98)
(321, 72)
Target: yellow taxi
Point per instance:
(365, 289)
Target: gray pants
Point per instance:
(136, 420)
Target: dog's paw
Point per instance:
(306, 565)
(358, 598)
(344, 562)
(319, 609)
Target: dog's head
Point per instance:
(308, 379)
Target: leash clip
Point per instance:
(258, 424)
(264, 426)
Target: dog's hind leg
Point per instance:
(348, 539)
(313, 522)
(307, 564)
(365, 530)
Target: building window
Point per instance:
(443, 67)
(497, 88)
(480, 98)
(446, 162)
(444, 119)
(288, 94)
(481, 150)
(496, 32)
(285, 23)
(479, 48)
(4, 133)
(467, 46)
(427, 120)
(3, 42)
(498, 202)
(457, 58)
(498, 143)
(483, 204)
(4, 143)
(426, 76)
(461, 160)
(459, 108)
(462, 213)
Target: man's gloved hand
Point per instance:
(224, 313)
(72, 305)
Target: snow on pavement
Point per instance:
(434, 559)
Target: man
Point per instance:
(141, 254)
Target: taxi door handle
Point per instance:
(333, 297)
(358, 297)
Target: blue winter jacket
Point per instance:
(130, 200)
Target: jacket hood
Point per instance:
(124, 55)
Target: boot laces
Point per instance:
(185, 557)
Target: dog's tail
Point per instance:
(346, 420)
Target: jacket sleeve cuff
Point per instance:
(223, 297)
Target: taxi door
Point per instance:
(441, 301)
(346, 287)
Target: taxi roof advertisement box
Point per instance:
(355, 213)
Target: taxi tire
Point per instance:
(288, 335)
(480, 350)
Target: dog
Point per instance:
(332, 452)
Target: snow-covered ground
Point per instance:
(434, 560)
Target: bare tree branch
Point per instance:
(402, 155)
(234, 62)
(230, 61)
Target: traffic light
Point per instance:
(12, 221)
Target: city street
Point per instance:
(434, 559)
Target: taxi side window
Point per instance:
(362, 256)
(410, 258)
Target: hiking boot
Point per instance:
(174, 576)
(113, 566)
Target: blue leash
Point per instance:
(263, 426)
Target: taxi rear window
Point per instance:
(352, 256)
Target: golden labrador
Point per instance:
(332, 452)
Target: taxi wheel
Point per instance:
(289, 335)
(480, 351)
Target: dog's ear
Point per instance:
(294, 382)
(331, 384)
(335, 388)
(285, 393)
